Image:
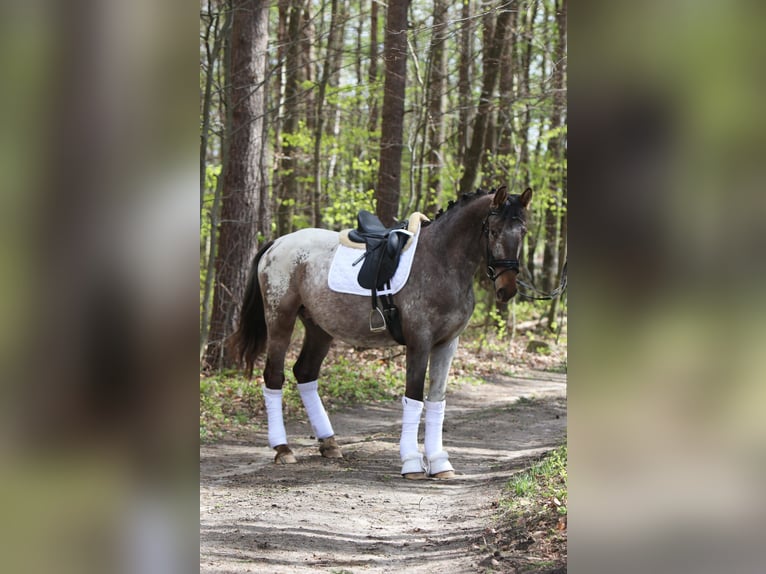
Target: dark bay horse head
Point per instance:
(503, 230)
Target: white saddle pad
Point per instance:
(343, 274)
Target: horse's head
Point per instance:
(504, 230)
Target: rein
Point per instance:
(545, 296)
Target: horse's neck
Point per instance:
(457, 235)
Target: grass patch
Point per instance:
(541, 488)
(561, 368)
(531, 533)
(348, 380)
(226, 400)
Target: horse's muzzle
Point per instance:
(505, 287)
(505, 294)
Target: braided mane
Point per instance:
(463, 199)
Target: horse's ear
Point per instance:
(526, 197)
(500, 196)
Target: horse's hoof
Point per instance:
(284, 455)
(444, 475)
(329, 448)
(415, 476)
(439, 466)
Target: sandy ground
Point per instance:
(357, 514)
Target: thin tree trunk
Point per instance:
(358, 53)
(210, 265)
(277, 118)
(224, 69)
(288, 165)
(550, 247)
(308, 63)
(464, 78)
(487, 146)
(244, 210)
(372, 75)
(525, 60)
(390, 165)
(336, 63)
(211, 55)
(491, 67)
(327, 71)
(437, 79)
(559, 148)
(505, 88)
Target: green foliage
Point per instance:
(227, 399)
(542, 489)
(301, 138)
(346, 202)
(212, 173)
(347, 381)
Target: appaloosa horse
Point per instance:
(289, 281)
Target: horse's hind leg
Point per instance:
(280, 328)
(316, 344)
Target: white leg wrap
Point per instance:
(273, 400)
(434, 422)
(408, 445)
(312, 402)
(438, 459)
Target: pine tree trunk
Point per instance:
(436, 83)
(550, 251)
(327, 71)
(464, 78)
(214, 34)
(505, 89)
(244, 210)
(288, 164)
(390, 165)
(525, 60)
(372, 75)
(559, 106)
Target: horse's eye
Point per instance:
(492, 233)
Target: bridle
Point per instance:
(513, 264)
(492, 263)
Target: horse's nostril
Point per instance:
(505, 294)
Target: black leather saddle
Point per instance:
(384, 249)
(384, 246)
(368, 224)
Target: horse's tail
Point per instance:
(249, 340)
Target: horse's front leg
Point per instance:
(413, 465)
(438, 463)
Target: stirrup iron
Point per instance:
(377, 320)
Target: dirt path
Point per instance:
(357, 514)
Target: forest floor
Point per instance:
(357, 514)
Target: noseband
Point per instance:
(494, 264)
